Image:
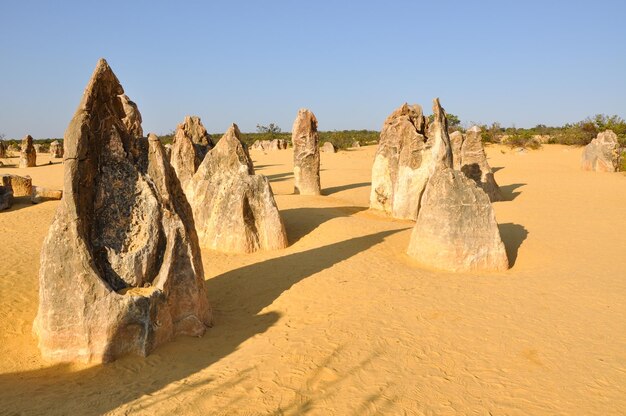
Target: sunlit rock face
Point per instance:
(456, 228)
(120, 266)
(234, 209)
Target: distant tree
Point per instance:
(2, 136)
(271, 129)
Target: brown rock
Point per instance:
(3, 150)
(120, 267)
(21, 185)
(6, 193)
(234, 209)
(470, 158)
(306, 154)
(328, 147)
(456, 227)
(403, 163)
(28, 154)
(190, 145)
(56, 149)
(602, 154)
(132, 116)
(41, 194)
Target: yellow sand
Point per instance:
(344, 323)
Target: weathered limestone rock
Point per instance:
(41, 194)
(328, 147)
(120, 267)
(234, 209)
(56, 149)
(21, 185)
(12, 148)
(28, 154)
(275, 145)
(355, 144)
(602, 154)
(132, 118)
(403, 163)
(3, 150)
(38, 148)
(6, 193)
(306, 154)
(456, 228)
(456, 143)
(190, 145)
(470, 158)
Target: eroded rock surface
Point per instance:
(306, 154)
(456, 228)
(120, 267)
(470, 158)
(132, 116)
(190, 146)
(28, 154)
(602, 154)
(403, 163)
(56, 149)
(234, 209)
(21, 185)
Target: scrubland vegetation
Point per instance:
(577, 134)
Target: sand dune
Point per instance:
(342, 322)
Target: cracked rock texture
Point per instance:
(403, 163)
(602, 154)
(120, 266)
(306, 154)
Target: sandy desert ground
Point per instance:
(342, 322)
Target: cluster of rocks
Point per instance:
(120, 270)
(22, 186)
(444, 184)
(456, 226)
(603, 154)
(266, 145)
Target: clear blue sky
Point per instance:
(351, 63)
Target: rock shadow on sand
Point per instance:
(335, 189)
(513, 235)
(508, 191)
(237, 299)
(300, 222)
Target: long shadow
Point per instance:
(277, 177)
(301, 221)
(263, 166)
(508, 191)
(237, 297)
(335, 189)
(497, 168)
(513, 235)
